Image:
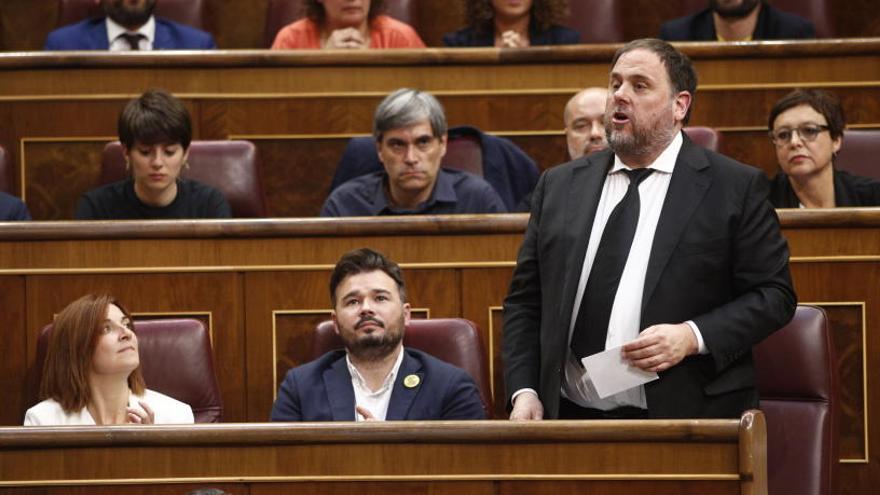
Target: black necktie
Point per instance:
(133, 40)
(591, 326)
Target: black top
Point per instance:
(772, 24)
(849, 190)
(12, 208)
(118, 201)
(454, 192)
(555, 35)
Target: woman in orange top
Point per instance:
(346, 24)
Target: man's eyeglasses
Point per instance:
(807, 133)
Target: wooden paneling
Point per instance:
(128, 489)
(301, 108)
(420, 456)
(57, 173)
(13, 346)
(486, 290)
(24, 24)
(848, 323)
(297, 173)
(265, 283)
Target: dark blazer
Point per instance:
(321, 391)
(849, 190)
(12, 208)
(773, 24)
(717, 258)
(91, 34)
(556, 35)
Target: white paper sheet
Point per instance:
(611, 374)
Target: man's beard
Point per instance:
(642, 141)
(735, 12)
(130, 17)
(373, 346)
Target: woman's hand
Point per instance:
(346, 38)
(144, 416)
(512, 39)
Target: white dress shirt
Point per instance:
(375, 402)
(624, 322)
(118, 44)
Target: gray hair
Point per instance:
(406, 107)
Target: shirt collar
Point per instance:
(443, 192)
(389, 379)
(664, 163)
(115, 29)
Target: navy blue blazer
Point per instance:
(556, 35)
(91, 34)
(773, 24)
(12, 208)
(321, 391)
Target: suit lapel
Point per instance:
(687, 187)
(584, 192)
(340, 393)
(98, 35)
(402, 396)
(162, 39)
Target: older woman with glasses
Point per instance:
(806, 128)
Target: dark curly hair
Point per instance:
(543, 14)
(314, 10)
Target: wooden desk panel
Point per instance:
(57, 110)
(726, 456)
(265, 283)
(239, 23)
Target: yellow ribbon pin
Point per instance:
(411, 381)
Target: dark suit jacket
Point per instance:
(321, 391)
(556, 35)
(772, 24)
(849, 190)
(91, 34)
(717, 258)
(12, 208)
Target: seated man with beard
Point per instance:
(375, 378)
(738, 20)
(128, 26)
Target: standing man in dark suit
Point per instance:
(375, 377)
(738, 20)
(129, 25)
(702, 277)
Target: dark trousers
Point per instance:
(570, 410)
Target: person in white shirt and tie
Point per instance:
(656, 245)
(128, 25)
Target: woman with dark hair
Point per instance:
(806, 128)
(92, 373)
(155, 132)
(346, 24)
(513, 24)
